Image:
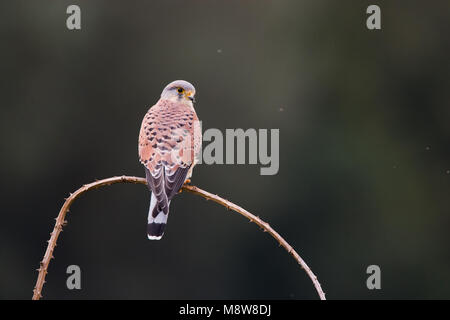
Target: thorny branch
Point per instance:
(60, 222)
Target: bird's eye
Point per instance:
(180, 90)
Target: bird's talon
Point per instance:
(187, 181)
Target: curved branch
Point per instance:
(60, 222)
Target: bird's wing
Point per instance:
(167, 146)
(175, 181)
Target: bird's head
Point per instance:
(180, 91)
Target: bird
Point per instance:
(169, 145)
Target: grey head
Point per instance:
(179, 90)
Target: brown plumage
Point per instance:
(169, 142)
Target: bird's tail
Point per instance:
(157, 219)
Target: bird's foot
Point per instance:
(185, 183)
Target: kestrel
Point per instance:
(169, 144)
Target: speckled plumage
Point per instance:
(164, 135)
(169, 142)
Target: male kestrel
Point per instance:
(169, 144)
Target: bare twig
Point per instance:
(60, 222)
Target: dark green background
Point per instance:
(364, 147)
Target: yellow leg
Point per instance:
(187, 181)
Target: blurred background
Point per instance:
(364, 147)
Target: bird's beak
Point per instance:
(190, 96)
